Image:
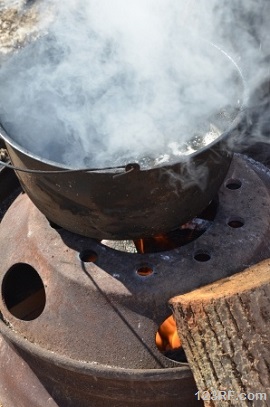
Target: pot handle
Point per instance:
(3, 155)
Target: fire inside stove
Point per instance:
(167, 338)
(177, 238)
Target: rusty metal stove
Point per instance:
(84, 331)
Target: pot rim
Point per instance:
(184, 158)
(181, 159)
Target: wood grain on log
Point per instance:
(224, 328)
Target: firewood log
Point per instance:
(225, 329)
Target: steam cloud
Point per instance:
(123, 81)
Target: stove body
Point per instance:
(86, 334)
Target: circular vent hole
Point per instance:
(23, 292)
(202, 256)
(145, 271)
(88, 256)
(233, 184)
(168, 341)
(236, 223)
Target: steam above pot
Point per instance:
(133, 85)
(106, 89)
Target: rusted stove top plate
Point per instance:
(105, 312)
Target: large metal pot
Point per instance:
(124, 204)
(128, 202)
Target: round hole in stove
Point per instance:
(233, 184)
(23, 292)
(168, 342)
(88, 256)
(145, 271)
(202, 256)
(236, 222)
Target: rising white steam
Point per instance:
(112, 82)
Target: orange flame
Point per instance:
(156, 243)
(167, 337)
(139, 245)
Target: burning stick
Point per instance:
(224, 329)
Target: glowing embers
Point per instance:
(168, 341)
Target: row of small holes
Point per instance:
(90, 256)
(235, 223)
(233, 185)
